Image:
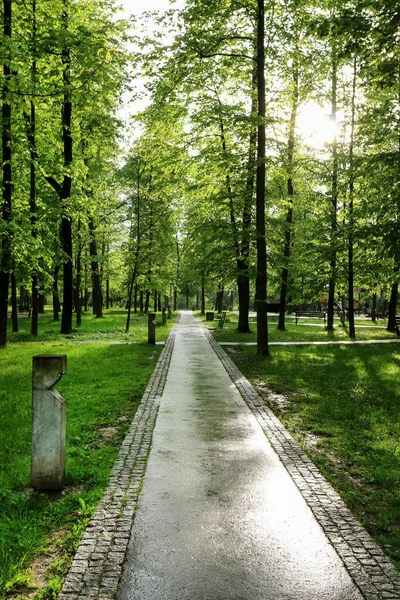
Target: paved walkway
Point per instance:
(221, 515)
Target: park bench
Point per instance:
(314, 314)
(397, 324)
(221, 320)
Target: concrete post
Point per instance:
(164, 316)
(151, 328)
(48, 423)
(169, 312)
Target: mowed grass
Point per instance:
(109, 328)
(311, 330)
(342, 404)
(103, 387)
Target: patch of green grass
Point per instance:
(103, 387)
(313, 331)
(344, 409)
(109, 328)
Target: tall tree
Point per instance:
(5, 263)
(261, 281)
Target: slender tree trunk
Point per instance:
(147, 302)
(393, 299)
(107, 293)
(178, 268)
(78, 282)
(261, 281)
(352, 330)
(159, 302)
(14, 306)
(243, 264)
(5, 256)
(373, 308)
(97, 296)
(290, 191)
(86, 292)
(31, 120)
(56, 299)
(203, 297)
(334, 196)
(133, 283)
(21, 299)
(141, 301)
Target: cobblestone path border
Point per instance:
(368, 566)
(97, 566)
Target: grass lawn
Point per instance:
(110, 328)
(39, 532)
(312, 330)
(342, 404)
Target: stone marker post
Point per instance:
(164, 316)
(48, 423)
(169, 312)
(151, 328)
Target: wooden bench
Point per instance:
(221, 320)
(314, 314)
(397, 324)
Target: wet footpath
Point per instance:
(219, 516)
(212, 499)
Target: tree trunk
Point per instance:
(393, 300)
(135, 299)
(334, 196)
(78, 281)
(352, 330)
(86, 292)
(175, 298)
(141, 301)
(14, 307)
(261, 281)
(107, 293)
(147, 302)
(56, 299)
(5, 256)
(203, 298)
(373, 308)
(97, 296)
(243, 264)
(41, 300)
(290, 191)
(243, 284)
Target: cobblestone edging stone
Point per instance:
(97, 566)
(368, 566)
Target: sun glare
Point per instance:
(315, 125)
